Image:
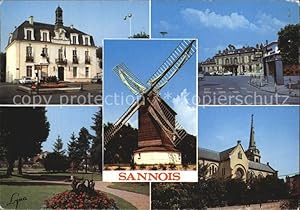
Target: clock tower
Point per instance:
(58, 18)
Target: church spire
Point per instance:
(252, 135)
(252, 153)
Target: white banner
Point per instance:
(150, 176)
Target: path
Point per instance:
(140, 201)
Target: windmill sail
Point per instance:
(122, 120)
(173, 63)
(129, 79)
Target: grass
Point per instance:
(34, 195)
(142, 188)
(39, 174)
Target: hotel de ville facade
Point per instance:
(40, 50)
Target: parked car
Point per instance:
(26, 80)
(96, 79)
(228, 73)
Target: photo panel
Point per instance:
(248, 158)
(52, 55)
(150, 131)
(247, 52)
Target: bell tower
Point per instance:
(252, 152)
(58, 18)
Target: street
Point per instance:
(235, 90)
(91, 94)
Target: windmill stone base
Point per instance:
(156, 155)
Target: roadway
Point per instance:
(235, 90)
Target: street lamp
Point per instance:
(129, 16)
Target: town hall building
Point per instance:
(235, 162)
(40, 50)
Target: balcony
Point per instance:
(61, 61)
(29, 58)
(75, 60)
(87, 60)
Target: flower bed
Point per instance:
(80, 200)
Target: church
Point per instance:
(235, 162)
(40, 50)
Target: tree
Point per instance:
(141, 35)
(188, 149)
(22, 133)
(74, 151)
(120, 148)
(84, 145)
(2, 67)
(96, 149)
(56, 162)
(58, 145)
(288, 43)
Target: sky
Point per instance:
(98, 18)
(64, 120)
(143, 58)
(276, 132)
(218, 23)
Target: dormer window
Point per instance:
(86, 40)
(74, 38)
(10, 38)
(28, 33)
(45, 36)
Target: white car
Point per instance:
(228, 73)
(26, 80)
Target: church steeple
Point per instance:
(252, 153)
(252, 135)
(58, 18)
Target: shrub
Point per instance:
(51, 79)
(80, 200)
(162, 167)
(172, 166)
(56, 162)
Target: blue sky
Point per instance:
(98, 18)
(143, 58)
(68, 119)
(276, 132)
(218, 23)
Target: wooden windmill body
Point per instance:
(158, 131)
(154, 146)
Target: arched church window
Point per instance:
(240, 155)
(239, 174)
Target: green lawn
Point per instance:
(34, 195)
(39, 174)
(142, 188)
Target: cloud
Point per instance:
(262, 22)
(211, 19)
(293, 1)
(266, 22)
(186, 112)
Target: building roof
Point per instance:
(208, 154)
(18, 34)
(261, 167)
(231, 50)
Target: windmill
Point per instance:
(159, 133)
